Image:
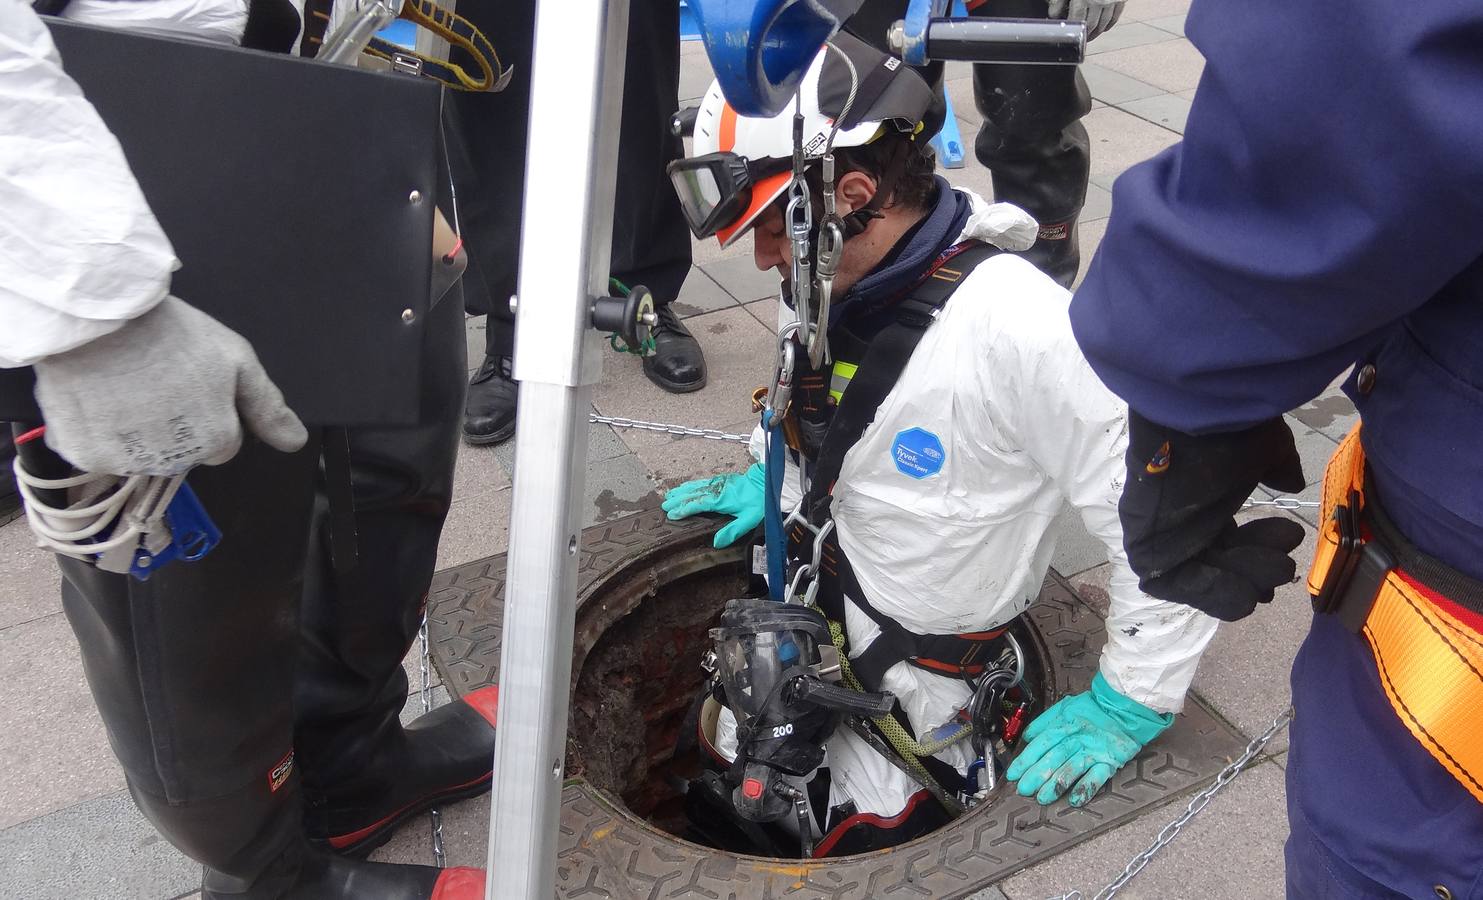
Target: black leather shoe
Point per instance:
(489, 409)
(677, 365)
(443, 756)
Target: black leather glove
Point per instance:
(1178, 513)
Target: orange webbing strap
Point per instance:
(1430, 663)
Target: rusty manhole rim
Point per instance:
(622, 589)
(607, 850)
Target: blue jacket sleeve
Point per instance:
(1329, 183)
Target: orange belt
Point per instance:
(1430, 661)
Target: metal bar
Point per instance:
(1019, 41)
(576, 98)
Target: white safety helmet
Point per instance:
(740, 164)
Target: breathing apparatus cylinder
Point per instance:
(768, 656)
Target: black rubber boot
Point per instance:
(677, 365)
(443, 756)
(10, 498)
(1035, 147)
(489, 410)
(363, 773)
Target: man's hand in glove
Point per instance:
(1100, 15)
(168, 391)
(1178, 514)
(740, 496)
(1081, 742)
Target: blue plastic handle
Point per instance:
(192, 534)
(760, 49)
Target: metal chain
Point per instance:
(1288, 503)
(710, 434)
(1282, 502)
(1196, 804)
(435, 815)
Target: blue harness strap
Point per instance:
(776, 541)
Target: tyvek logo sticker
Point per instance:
(917, 453)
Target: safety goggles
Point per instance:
(716, 190)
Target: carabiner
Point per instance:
(831, 247)
(782, 385)
(800, 227)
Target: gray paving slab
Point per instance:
(989, 893)
(1173, 24)
(764, 311)
(740, 277)
(476, 526)
(696, 76)
(1167, 110)
(102, 848)
(1188, 95)
(29, 589)
(1129, 34)
(1119, 140)
(1091, 586)
(1076, 550)
(473, 327)
(478, 471)
(1090, 234)
(1146, 10)
(671, 459)
(1170, 66)
(53, 750)
(601, 442)
(701, 294)
(1098, 203)
(1231, 851)
(1114, 87)
(739, 353)
(616, 487)
(1332, 413)
(1243, 675)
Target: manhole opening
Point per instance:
(640, 674)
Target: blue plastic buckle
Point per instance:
(192, 535)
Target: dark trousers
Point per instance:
(1031, 141)
(212, 675)
(487, 135)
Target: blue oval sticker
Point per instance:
(917, 453)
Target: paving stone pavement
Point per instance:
(67, 829)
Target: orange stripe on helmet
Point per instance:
(728, 128)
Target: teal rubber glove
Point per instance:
(739, 495)
(1081, 742)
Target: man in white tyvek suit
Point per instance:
(252, 707)
(943, 506)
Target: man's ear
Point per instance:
(853, 190)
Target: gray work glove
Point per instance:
(160, 395)
(1100, 15)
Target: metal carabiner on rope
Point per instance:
(800, 233)
(831, 245)
(781, 393)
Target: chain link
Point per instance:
(1287, 503)
(435, 815)
(1284, 502)
(1197, 803)
(710, 434)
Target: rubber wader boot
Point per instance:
(363, 772)
(1035, 147)
(677, 364)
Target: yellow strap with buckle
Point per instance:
(458, 32)
(1430, 662)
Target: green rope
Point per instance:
(907, 747)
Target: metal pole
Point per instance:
(576, 100)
